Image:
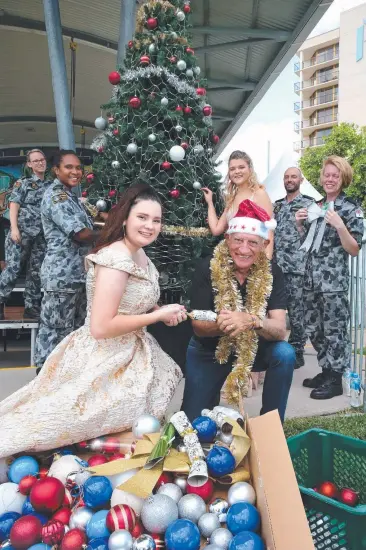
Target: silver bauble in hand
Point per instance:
(191, 507)
(145, 424)
(241, 492)
(171, 490)
(158, 512)
(207, 524)
(101, 205)
(120, 540)
(221, 537)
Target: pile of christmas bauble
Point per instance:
(53, 501)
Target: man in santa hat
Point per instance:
(239, 320)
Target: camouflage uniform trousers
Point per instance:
(295, 308)
(29, 252)
(61, 313)
(327, 325)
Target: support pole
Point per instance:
(59, 78)
(126, 28)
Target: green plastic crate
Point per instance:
(318, 455)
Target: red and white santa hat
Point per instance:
(251, 219)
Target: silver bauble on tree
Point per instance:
(152, 138)
(152, 48)
(181, 65)
(189, 73)
(178, 128)
(197, 70)
(131, 148)
(100, 123)
(196, 185)
(164, 101)
(115, 164)
(180, 15)
(177, 153)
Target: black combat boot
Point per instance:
(315, 382)
(31, 313)
(331, 386)
(299, 360)
(2, 314)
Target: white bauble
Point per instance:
(174, 35)
(177, 153)
(196, 185)
(62, 467)
(131, 148)
(10, 498)
(122, 497)
(197, 70)
(178, 128)
(152, 48)
(100, 123)
(145, 424)
(164, 101)
(180, 15)
(152, 138)
(115, 164)
(182, 65)
(118, 479)
(198, 150)
(189, 73)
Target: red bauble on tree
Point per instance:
(52, 532)
(173, 59)
(348, 496)
(121, 516)
(25, 532)
(201, 91)
(179, 108)
(166, 477)
(328, 489)
(145, 60)
(215, 139)
(130, 44)
(187, 110)
(174, 193)
(112, 193)
(134, 102)
(100, 149)
(166, 165)
(97, 459)
(26, 484)
(207, 110)
(115, 132)
(63, 515)
(185, 145)
(152, 23)
(74, 540)
(114, 77)
(187, 8)
(205, 491)
(47, 494)
(90, 177)
(111, 119)
(190, 50)
(137, 530)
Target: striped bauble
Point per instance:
(121, 516)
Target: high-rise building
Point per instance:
(332, 85)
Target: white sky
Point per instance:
(273, 118)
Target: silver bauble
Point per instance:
(177, 153)
(164, 101)
(181, 65)
(80, 517)
(145, 424)
(209, 151)
(189, 73)
(241, 492)
(207, 524)
(144, 542)
(221, 537)
(158, 512)
(152, 48)
(181, 448)
(181, 481)
(131, 148)
(180, 15)
(115, 164)
(198, 149)
(178, 128)
(191, 507)
(196, 185)
(225, 438)
(120, 540)
(81, 477)
(100, 123)
(96, 444)
(219, 506)
(171, 490)
(174, 35)
(152, 138)
(197, 70)
(101, 205)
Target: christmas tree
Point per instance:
(159, 130)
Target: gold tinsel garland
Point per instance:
(245, 345)
(185, 231)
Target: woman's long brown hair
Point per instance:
(114, 229)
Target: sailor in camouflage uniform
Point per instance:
(334, 233)
(69, 233)
(25, 244)
(290, 259)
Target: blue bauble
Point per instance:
(64, 451)
(182, 534)
(23, 466)
(40, 546)
(220, 461)
(206, 428)
(242, 516)
(42, 518)
(96, 527)
(97, 491)
(98, 544)
(7, 521)
(27, 508)
(246, 541)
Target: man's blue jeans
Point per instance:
(204, 377)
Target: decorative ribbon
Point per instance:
(314, 213)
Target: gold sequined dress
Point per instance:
(89, 387)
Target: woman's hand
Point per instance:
(171, 314)
(334, 219)
(208, 195)
(301, 215)
(15, 235)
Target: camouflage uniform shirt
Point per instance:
(287, 240)
(28, 193)
(328, 269)
(63, 215)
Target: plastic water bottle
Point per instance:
(355, 400)
(346, 382)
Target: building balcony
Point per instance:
(317, 122)
(319, 61)
(308, 106)
(318, 81)
(305, 143)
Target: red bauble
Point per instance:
(68, 500)
(52, 532)
(174, 193)
(173, 59)
(111, 445)
(74, 540)
(348, 496)
(187, 110)
(47, 494)
(116, 456)
(115, 132)
(43, 472)
(152, 23)
(215, 139)
(145, 60)
(186, 8)
(165, 477)
(90, 177)
(97, 459)
(25, 532)
(100, 150)
(84, 194)
(159, 541)
(63, 515)
(114, 77)
(179, 108)
(111, 119)
(205, 491)
(121, 516)
(185, 145)
(26, 484)
(112, 193)
(137, 530)
(201, 91)
(135, 102)
(130, 44)
(166, 165)
(328, 489)
(207, 110)
(190, 50)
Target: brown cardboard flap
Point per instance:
(284, 523)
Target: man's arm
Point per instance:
(274, 325)
(86, 235)
(206, 329)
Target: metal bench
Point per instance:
(14, 319)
